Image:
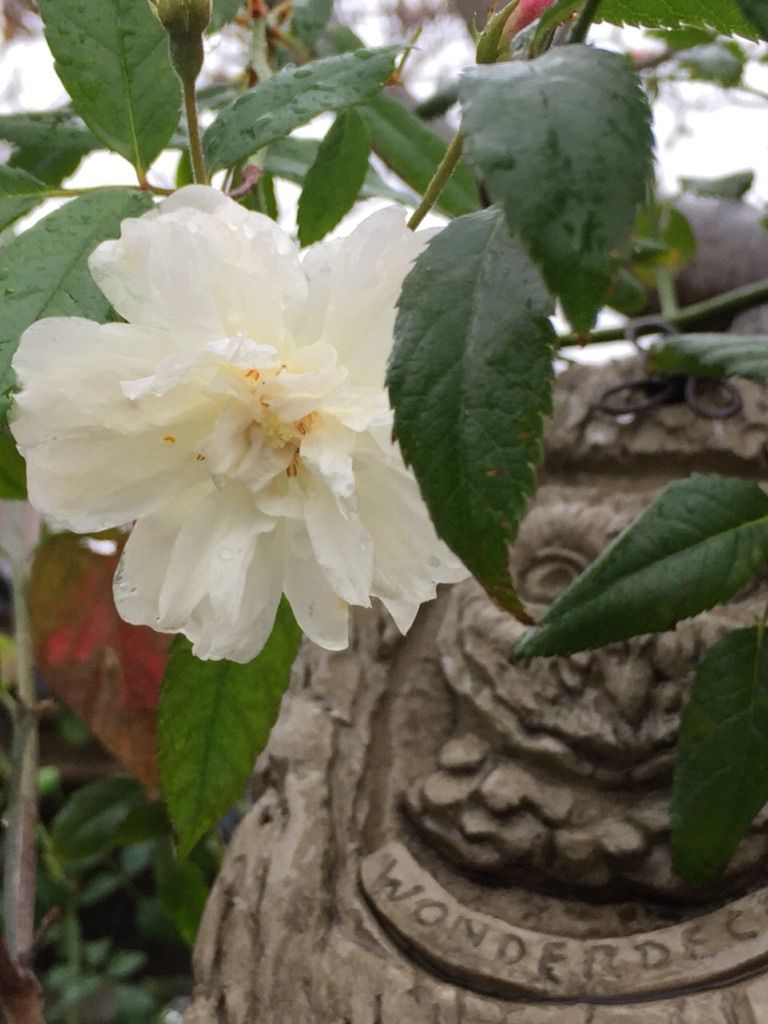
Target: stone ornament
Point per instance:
(441, 837)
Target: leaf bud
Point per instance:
(182, 17)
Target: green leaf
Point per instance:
(695, 546)
(413, 152)
(310, 18)
(125, 962)
(292, 158)
(731, 186)
(48, 145)
(721, 62)
(627, 294)
(181, 890)
(549, 19)
(19, 193)
(335, 178)
(294, 96)
(683, 38)
(214, 719)
(44, 272)
(13, 470)
(86, 824)
(470, 381)
(132, 1003)
(564, 144)
(146, 821)
(713, 355)
(721, 778)
(663, 237)
(112, 57)
(223, 12)
(722, 15)
(756, 12)
(680, 238)
(98, 888)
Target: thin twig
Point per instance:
(729, 302)
(21, 841)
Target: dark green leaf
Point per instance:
(145, 821)
(48, 145)
(275, 108)
(439, 103)
(627, 294)
(184, 172)
(19, 193)
(292, 158)
(13, 470)
(44, 272)
(756, 12)
(87, 823)
(132, 1004)
(721, 62)
(310, 18)
(549, 19)
(679, 237)
(713, 355)
(696, 546)
(223, 12)
(335, 178)
(182, 891)
(564, 144)
(413, 152)
(125, 963)
(112, 56)
(214, 719)
(732, 186)
(98, 888)
(663, 236)
(722, 15)
(683, 38)
(470, 381)
(721, 779)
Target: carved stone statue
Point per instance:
(441, 837)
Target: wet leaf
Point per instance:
(470, 381)
(214, 720)
(694, 547)
(721, 779)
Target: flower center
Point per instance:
(275, 428)
(259, 409)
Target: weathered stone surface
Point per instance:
(441, 837)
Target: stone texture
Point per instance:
(440, 837)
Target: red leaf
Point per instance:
(106, 670)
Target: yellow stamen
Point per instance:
(293, 469)
(169, 439)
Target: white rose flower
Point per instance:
(239, 417)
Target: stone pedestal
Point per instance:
(440, 837)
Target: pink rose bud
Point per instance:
(522, 16)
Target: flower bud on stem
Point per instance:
(185, 21)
